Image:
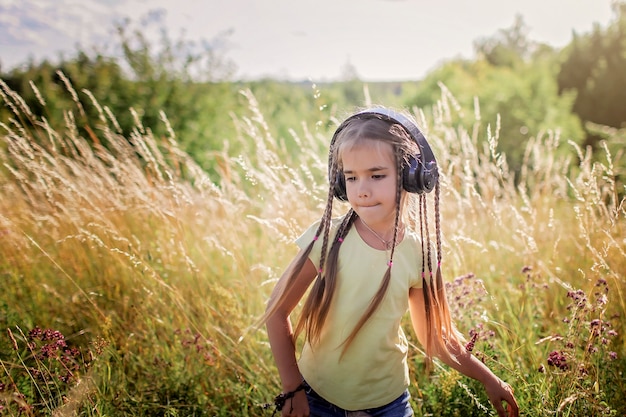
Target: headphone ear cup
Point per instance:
(419, 179)
(340, 187)
(429, 176)
(411, 176)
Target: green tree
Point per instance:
(190, 85)
(512, 79)
(594, 68)
(508, 47)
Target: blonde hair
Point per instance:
(354, 132)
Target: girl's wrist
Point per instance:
(283, 397)
(292, 384)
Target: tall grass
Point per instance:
(131, 280)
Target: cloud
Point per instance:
(20, 28)
(45, 29)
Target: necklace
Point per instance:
(387, 243)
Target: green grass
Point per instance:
(132, 281)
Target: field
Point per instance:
(132, 280)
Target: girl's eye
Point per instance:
(378, 177)
(349, 179)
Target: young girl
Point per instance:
(366, 269)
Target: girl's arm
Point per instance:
(280, 331)
(497, 390)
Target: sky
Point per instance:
(383, 40)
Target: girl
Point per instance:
(367, 268)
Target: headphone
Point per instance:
(419, 173)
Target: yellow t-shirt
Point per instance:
(373, 371)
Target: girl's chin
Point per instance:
(363, 211)
(373, 214)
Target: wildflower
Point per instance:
(542, 369)
(473, 337)
(35, 333)
(558, 360)
(613, 355)
(50, 334)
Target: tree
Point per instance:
(509, 47)
(513, 78)
(186, 83)
(594, 68)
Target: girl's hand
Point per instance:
(298, 406)
(498, 392)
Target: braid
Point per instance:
(299, 264)
(322, 230)
(425, 285)
(439, 324)
(318, 302)
(429, 287)
(427, 229)
(326, 218)
(438, 278)
(438, 224)
(421, 214)
(382, 290)
(446, 322)
(399, 159)
(344, 227)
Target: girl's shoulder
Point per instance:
(311, 230)
(411, 235)
(334, 223)
(412, 240)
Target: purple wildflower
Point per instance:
(558, 360)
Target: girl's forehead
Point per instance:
(379, 147)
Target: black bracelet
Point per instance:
(281, 399)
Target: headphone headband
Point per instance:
(419, 175)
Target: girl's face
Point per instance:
(371, 178)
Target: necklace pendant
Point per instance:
(387, 244)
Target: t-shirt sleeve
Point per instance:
(306, 238)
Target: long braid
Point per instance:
(382, 290)
(433, 283)
(437, 318)
(399, 160)
(299, 264)
(343, 229)
(311, 308)
(438, 224)
(425, 283)
(318, 302)
(448, 331)
(428, 245)
(440, 330)
(326, 220)
(421, 214)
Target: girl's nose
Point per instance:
(363, 190)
